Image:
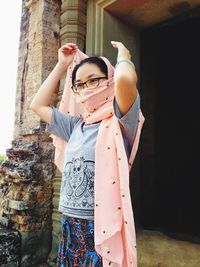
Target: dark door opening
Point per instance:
(170, 85)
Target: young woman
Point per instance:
(106, 94)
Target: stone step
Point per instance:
(156, 249)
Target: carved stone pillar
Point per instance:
(73, 22)
(73, 26)
(26, 187)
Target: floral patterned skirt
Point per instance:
(76, 248)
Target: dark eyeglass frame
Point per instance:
(85, 83)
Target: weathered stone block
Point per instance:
(23, 219)
(30, 197)
(19, 205)
(16, 195)
(40, 196)
(9, 247)
(35, 247)
(5, 222)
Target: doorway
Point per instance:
(170, 85)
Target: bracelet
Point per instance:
(125, 60)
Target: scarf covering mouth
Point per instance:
(114, 227)
(97, 101)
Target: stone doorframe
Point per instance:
(98, 35)
(94, 37)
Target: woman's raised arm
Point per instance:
(125, 79)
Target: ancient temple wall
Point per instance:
(39, 41)
(26, 187)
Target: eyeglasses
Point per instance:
(94, 82)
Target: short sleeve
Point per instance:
(61, 124)
(128, 121)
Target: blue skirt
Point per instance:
(76, 248)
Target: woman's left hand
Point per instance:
(123, 52)
(125, 79)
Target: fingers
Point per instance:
(70, 45)
(123, 52)
(117, 44)
(114, 44)
(69, 48)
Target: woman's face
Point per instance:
(88, 71)
(89, 75)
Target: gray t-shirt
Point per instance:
(77, 186)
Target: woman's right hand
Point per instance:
(66, 54)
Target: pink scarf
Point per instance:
(114, 228)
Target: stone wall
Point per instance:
(9, 247)
(26, 187)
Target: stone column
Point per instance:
(73, 25)
(26, 188)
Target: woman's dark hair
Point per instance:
(91, 60)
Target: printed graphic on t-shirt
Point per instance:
(77, 188)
